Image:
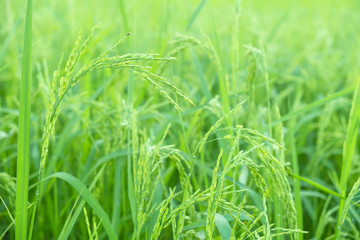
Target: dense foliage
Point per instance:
(179, 119)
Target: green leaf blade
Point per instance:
(23, 150)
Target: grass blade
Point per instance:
(317, 185)
(223, 226)
(72, 218)
(348, 151)
(90, 199)
(314, 105)
(23, 157)
(195, 14)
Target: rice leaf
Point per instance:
(23, 156)
(90, 199)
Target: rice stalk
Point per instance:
(349, 202)
(87, 223)
(210, 224)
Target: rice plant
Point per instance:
(179, 120)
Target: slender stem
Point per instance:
(297, 188)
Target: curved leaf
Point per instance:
(223, 226)
(90, 199)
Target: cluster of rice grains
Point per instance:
(146, 166)
(64, 79)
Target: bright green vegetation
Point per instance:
(211, 120)
(23, 144)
